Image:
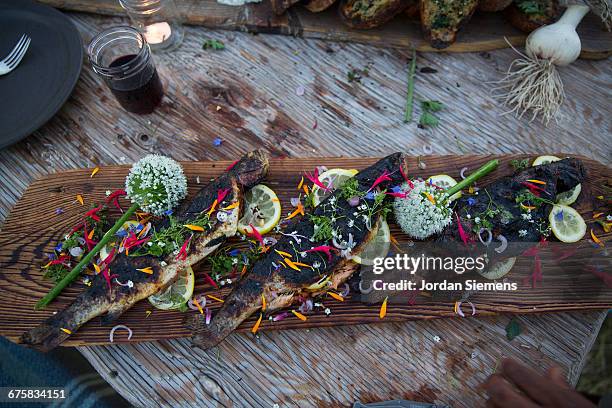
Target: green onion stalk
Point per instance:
(472, 178)
(156, 184)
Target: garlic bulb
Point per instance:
(532, 84)
(558, 42)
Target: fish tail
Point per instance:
(203, 336)
(57, 328)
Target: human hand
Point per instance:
(519, 386)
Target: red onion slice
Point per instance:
(208, 314)
(489, 236)
(295, 201)
(280, 316)
(504, 244)
(117, 327)
(462, 173)
(306, 306)
(346, 289)
(201, 300)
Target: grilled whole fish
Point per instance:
(521, 228)
(98, 299)
(501, 196)
(281, 285)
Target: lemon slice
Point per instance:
(569, 197)
(498, 269)
(333, 178)
(377, 248)
(544, 160)
(262, 209)
(566, 223)
(445, 181)
(177, 294)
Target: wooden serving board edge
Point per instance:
(419, 311)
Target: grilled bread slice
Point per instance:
(370, 13)
(442, 19)
(527, 15)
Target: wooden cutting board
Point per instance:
(33, 229)
(484, 32)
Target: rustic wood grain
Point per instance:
(254, 82)
(23, 255)
(484, 32)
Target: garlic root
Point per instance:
(532, 82)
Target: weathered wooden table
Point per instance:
(254, 83)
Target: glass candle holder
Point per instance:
(121, 56)
(157, 20)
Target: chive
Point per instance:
(481, 172)
(85, 260)
(410, 91)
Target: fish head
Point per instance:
(251, 168)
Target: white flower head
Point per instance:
(156, 183)
(522, 233)
(417, 215)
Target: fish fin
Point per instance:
(114, 312)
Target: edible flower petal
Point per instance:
(182, 255)
(336, 296)
(462, 233)
(210, 280)
(216, 298)
(93, 213)
(194, 227)
(323, 248)
(383, 308)
(255, 234)
(382, 178)
(79, 198)
(314, 178)
(298, 210)
(94, 172)
(299, 315)
(257, 323)
(148, 270)
(596, 239)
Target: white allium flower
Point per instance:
(526, 216)
(416, 215)
(477, 220)
(156, 183)
(327, 311)
(522, 233)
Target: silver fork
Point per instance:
(14, 58)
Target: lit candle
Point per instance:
(157, 33)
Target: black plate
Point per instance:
(32, 93)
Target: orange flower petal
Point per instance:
(336, 296)
(80, 199)
(194, 227)
(94, 172)
(299, 315)
(257, 323)
(383, 308)
(216, 298)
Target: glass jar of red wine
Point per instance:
(122, 57)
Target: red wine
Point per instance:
(140, 92)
